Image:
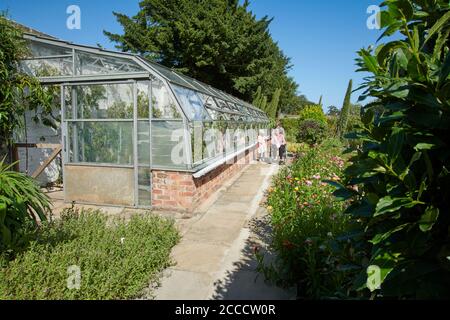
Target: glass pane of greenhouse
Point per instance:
(191, 103)
(87, 63)
(164, 106)
(102, 101)
(168, 144)
(41, 49)
(48, 67)
(133, 116)
(101, 142)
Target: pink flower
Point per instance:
(316, 176)
(308, 182)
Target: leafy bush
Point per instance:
(117, 260)
(290, 126)
(403, 167)
(311, 131)
(294, 147)
(306, 219)
(313, 112)
(22, 204)
(18, 91)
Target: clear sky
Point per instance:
(321, 37)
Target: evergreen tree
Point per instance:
(263, 105)
(219, 42)
(343, 117)
(272, 109)
(320, 100)
(257, 97)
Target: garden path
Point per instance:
(215, 258)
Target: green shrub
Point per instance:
(22, 204)
(332, 124)
(18, 91)
(311, 132)
(306, 221)
(290, 126)
(294, 147)
(313, 112)
(403, 166)
(117, 260)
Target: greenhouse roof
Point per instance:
(118, 65)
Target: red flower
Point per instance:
(288, 244)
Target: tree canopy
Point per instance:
(219, 42)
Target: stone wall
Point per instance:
(182, 192)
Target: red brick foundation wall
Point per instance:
(182, 192)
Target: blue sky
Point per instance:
(321, 37)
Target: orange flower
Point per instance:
(288, 244)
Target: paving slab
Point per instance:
(217, 229)
(198, 256)
(184, 285)
(249, 285)
(226, 207)
(236, 197)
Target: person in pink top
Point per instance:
(282, 147)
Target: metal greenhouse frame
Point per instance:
(122, 112)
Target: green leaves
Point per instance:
(389, 204)
(387, 49)
(18, 91)
(428, 219)
(438, 26)
(445, 70)
(381, 237)
(21, 202)
(410, 134)
(396, 141)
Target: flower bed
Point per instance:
(306, 218)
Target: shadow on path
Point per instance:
(243, 281)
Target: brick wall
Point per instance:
(182, 192)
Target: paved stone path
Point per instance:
(214, 259)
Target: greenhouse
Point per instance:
(135, 133)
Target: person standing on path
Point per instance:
(274, 145)
(280, 128)
(282, 147)
(262, 145)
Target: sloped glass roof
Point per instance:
(65, 62)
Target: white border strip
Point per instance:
(216, 164)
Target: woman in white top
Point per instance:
(262, 146)
(274, 145)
